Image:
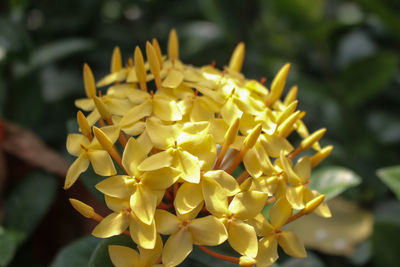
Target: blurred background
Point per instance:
(345, 60)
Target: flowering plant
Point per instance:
(182, 132)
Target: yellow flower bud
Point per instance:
(116, 60)
(139, 65)
(153, 63)
(84, 209)
(237, 58)
(314, 137)
(105, 114)
(286, 127)
(320, 155)
(173, 45)
(251, 139)
(291, 95)
(88, 81)
(103, 139)
(158, 52)
(84, 124)
(313, 204)
(232, 132)
(246, 261)
(287, 112)
(278, 83)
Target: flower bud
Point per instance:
(116, 60)
(314, 137)
(278, 83)
(139, 65)
(157, 48)
(173, 45)
(320, 156)
(105, 114)
(83, 124)
(286, 127)
(88, 81)
(251, 139)
(237, 58)
(232, 132)
(291, 95)
(103, 139)
(84, 209)
(313, 204)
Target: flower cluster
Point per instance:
(177, 133)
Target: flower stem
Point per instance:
(219, 256)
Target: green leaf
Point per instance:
(333, 180)
(7, 247)
(100, 257)
(59, 50)
(28, 203)
(367, 77)
(77, 253)
(391, 177)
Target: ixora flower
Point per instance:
(178, 133)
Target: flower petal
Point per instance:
(113, 224)
(166, 222)
(267, 251)
(142, 234)
(292, 244)
(166, 109)
(116, 186)
(149, 256)
(216, 202)
(77, 167)
(280, 213)
(295, 196)
(208, 231)
(246, 205)
(228, 184)
(133, 156)
(123, 256)
(189, 165)
(177, 248)
(303, 168)
(143, 203)
(188, 197)
(74, 142)
(160, 179)
(242, 237)
(162, 136)
(173, 80)
(101, 162)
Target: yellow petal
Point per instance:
(248, 204)
(252, 163)
(123, 256)
(280, 213)
(243, 238)
(117, 204)
(143, 234)
(156, 161)
(145, 141)
(116, 186)
(166, 109)
(136, 113)
(228, 184)
(208, 231)
(293, 178)
(135, 128)
(230, 111)
(113, 224)
(216, 201)
(177, 248)
(166, 222)
(189, 165)
(267, 251)
(133, 156)
(101, 162)
(292, 244)
(86, 104)
(74, 142)
(295, 196)
(160, 179)
(79, 166)
(261, 225)
(162, 136)
(173, 80)
(149, 256)
(143, 203)
(274, 144)
(303, 168)
(188, 197)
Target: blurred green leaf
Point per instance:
(312, 260)
(14, 40)
(77, 253)
(367, 77)
(58, 50)
(7, 247)
(28, 203)
(100, 257)
(198, 258)
(333, 180)
(391, 177)
(386, 235)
